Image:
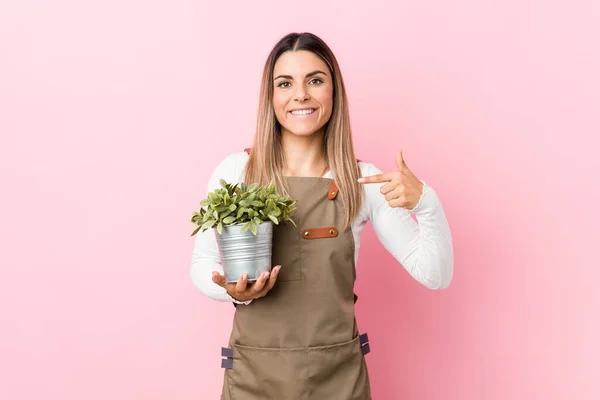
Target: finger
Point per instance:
(397, 203)
(390, 186)
(400, 160)
(260, 282)
(240, 286)
(273, 278)
(218, 279)
(385, 177)
(270, 283)
(395, 194)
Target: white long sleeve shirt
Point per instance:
(422, 247)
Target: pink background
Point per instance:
(113, 115)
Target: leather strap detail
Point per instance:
(333, 191)
(319, 233)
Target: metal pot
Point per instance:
(244, 252)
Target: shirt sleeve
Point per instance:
(423, 247)
(205, 256)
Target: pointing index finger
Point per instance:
(386, 177)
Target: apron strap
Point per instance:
(227, 362)
(366, 349)
(364, 338)
(364, 344)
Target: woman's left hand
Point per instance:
(402, 188)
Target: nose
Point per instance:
(301, 94)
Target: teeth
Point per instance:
(303, 112)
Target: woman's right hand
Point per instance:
(244, 291)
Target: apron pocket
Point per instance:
(336, 372)
(266, 373)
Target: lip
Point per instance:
(303, 109)
(314, 109)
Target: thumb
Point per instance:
(400, 159)
(218, 278)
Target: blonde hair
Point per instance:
(266, 158)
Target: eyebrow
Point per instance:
(307, 75)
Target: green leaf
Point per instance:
(196, 230)
(229, 220)
(208, 224)
(221, 209)
(246, 226)
(240, 212)
(225, 214)
(247, 205)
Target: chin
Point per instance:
(302, 131)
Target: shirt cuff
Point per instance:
(417, 207)
(239, 302)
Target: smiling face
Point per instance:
(302, 93)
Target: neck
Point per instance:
(303, 155)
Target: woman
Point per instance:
(294, 334)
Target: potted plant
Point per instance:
(242, 218)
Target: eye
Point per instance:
(283, 84)
(316, 81)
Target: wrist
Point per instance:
(236, 301)
(423, 189)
